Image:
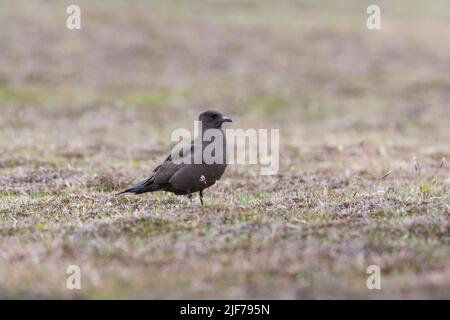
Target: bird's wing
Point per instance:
(163, 173)
(181, 152)
(172, 163)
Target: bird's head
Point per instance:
(213, 119)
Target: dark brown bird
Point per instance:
(187, 178)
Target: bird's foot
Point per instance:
(194, 201)
(201, 197)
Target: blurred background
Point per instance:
(85, 112)
(298, 64)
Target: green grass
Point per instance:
(16, 96)
(148, 99)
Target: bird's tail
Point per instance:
(142, 187)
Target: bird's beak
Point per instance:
(226, 119)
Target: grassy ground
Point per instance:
(364, 119)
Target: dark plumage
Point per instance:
(182, 178)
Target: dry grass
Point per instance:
(364, 128)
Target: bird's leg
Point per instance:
(201, 196)
(191, 200)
